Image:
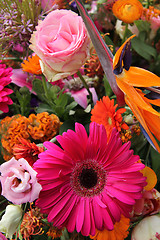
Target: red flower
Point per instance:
(27, 150)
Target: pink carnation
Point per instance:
(19, 183)
(88, 183)
(5, 74)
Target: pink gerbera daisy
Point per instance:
(88, 183)
(5, 74)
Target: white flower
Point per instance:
(148, 228)
(120, 29)
(10, 220)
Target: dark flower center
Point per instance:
(88, 178)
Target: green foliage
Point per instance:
(54, 99)
(21, 101)
(108, 90)
(143, 49)
(142, 25)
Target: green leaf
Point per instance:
(43, 107)
(23, 96)
(68, 124)
(142, 25)
(108, 90)
(37, 86)
(71, 106)
(143, 49)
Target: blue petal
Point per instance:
(147, 137)
(125, 59)
(152, 95)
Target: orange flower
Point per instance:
(43, 127)
(27, 150)
(131, 80)
(151, 178)
(32, 65)
(104, 112)
(54, 232)
(149, 13)
(11, 129)
(120, 231)
(31, 223)
(93, 67)
(127, 10)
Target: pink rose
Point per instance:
(62, 43)
(19, 183)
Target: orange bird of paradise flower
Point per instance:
(141, 89)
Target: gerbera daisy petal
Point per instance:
(112, 206)
(66, 211)
(81, 132)
(57, 209)
(92, 232)
(98, 213)
(122, 196)
(71, 221)
(87, 221)
(84, 187)
(80, 215)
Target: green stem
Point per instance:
(125, 33)
(147, 155)
(45, 87)
(86, 86)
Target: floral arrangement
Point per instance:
(80, 119)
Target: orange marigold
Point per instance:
(32, 65)
(11, 130)
(43, 127)
(127, 10)
(104, 112)
(120, 231)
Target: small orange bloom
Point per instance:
(131, 80)
(120, 231)
(31, 224)
(27, 150)
(54, 232)
(151, 178)
(104, 112)
(127, 10)
(12, 129)
(43, 126)
(32, 65)
(93, 67)
(149, 13)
